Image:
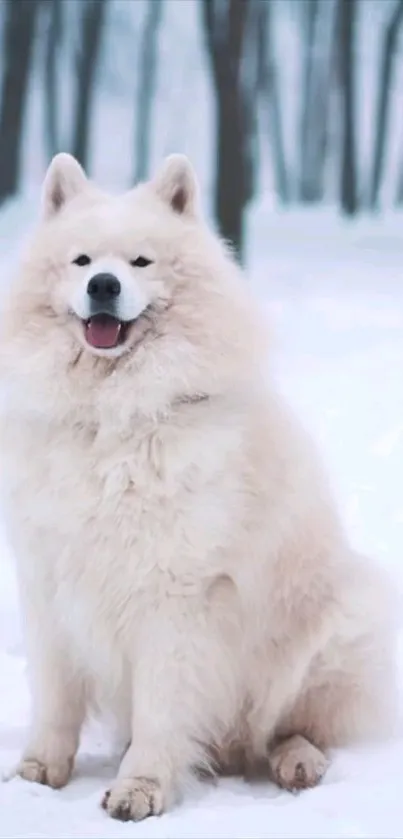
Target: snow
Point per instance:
(334, 293)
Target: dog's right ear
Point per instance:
(64, 180)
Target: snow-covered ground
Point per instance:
(335, 297)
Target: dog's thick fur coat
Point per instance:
(180, 560)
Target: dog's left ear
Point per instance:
(64, 180)
(176, 184)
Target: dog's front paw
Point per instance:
(134, 799)
(53, 775)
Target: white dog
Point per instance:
(180, 560)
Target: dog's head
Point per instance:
(115, 259)
(135, 282)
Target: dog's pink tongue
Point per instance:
(102, 331)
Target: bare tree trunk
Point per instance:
(54, 31)
(268, 87)
(323, 85)
(93, 18)
(18, 42)
(388, 51)
(313, 183)
(319, 18)
(225, 26)
(309, 10)
(250, 95)
(147, 73)
(348, 176)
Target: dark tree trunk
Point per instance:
(225, 25)
(269, 89)
(309, 10)
(388, 51)
(318, 86)
(147, 74)
(230, 182)
(18, 42)
(348, 176)
(93, 18)
(323, 87)
(54, 12)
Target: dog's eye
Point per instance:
(82, 260)
(141, 262)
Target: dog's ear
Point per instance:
(64, 180)
(176, 184)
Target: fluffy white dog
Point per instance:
(180, 560)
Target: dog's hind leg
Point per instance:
(297, 764)
(351, 702)
(339, 705)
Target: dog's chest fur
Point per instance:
(114, 526)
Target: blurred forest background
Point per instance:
(296, 101)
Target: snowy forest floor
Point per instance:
(334, 294)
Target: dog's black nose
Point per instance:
(103, 288)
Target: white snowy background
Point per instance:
(333, 291)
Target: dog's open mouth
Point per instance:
(105, 332)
